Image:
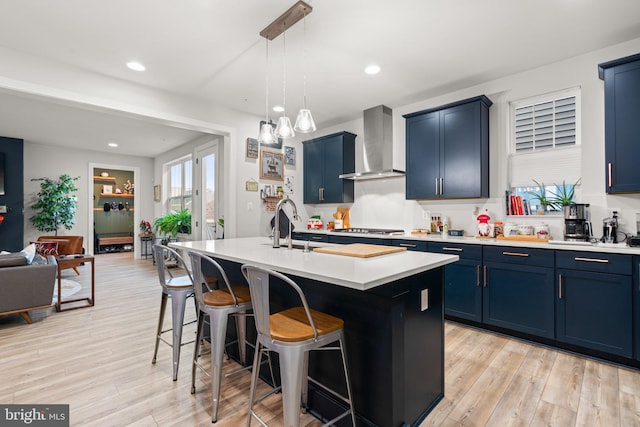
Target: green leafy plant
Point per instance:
(56, 203)
(564, 194)
(174, 223)
(540, 195)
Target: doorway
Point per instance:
(113, 215)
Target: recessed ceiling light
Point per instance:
(136, 66)
(278, 109)
(372, 69)
(112, 144)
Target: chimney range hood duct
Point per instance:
(377, 148)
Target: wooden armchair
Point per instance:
(67, 245)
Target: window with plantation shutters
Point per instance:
(544, 125)
(545, 139)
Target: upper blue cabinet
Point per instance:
(447, 150)
(621, 125)
(324, 159)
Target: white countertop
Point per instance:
(355, 273)
(620, 248)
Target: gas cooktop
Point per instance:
(385, 231)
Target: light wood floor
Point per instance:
(98, 360)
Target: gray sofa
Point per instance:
(25, 287)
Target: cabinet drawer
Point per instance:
(594, 261)
(411, 245)
(312, 237)
(516, 255)
(345, 240)
(471, 252)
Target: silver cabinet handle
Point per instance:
(320, 193)
(437, 186)
(604, 261)
(559, 286)
(408, 245)
(609, 173)
(441, 190)
(316, 237)
(485, 276)
(478, 275)
(452, 249)
(515, 254)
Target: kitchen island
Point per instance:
(392, 307)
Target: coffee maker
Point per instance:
(577, 222)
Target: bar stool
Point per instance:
(218, 304)
(178, 288)
(292, 333)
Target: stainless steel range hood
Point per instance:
(377, 148)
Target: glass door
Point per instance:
(210, 223)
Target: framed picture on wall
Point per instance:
(107, 189)
(277, 144)
(252, 148)
(290, 156)
(271, 165)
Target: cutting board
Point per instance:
(360, 250)
(523, 238)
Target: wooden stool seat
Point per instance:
(292, 325)
(222, 297)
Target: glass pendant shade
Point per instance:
(284, 128)
(304, 122)
(266, 135)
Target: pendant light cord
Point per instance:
(266, 78)
(284, 73)
(304, 61)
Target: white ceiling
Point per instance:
(211, 50)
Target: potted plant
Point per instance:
(541, 196)
(564, 195)
(56, 203)
(174, 223)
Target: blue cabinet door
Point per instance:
(423, 156)
(622, 127)
(343, 240)
(519, 297)
(447, 151)
(463, 290)
(594, 310)
(325, 158)
(636, 305)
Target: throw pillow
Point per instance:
(46, 248)
(29, 252)
(39, 259)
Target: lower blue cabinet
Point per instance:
(595, 308)
(462, 280)
(519, 290)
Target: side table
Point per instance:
(145, 239)
(70, 261)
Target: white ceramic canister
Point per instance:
(510, 229)
(541, 231)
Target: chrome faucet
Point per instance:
(276, 227)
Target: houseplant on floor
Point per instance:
(56, 203)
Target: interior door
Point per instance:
(208, 210)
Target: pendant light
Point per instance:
(304, 120)
(284, 128)
(266, 135)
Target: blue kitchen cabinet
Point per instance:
(447, 151)
(462, 280)
(310, 237)
(622, 127)
(518, 289)
(411, 245)
(594, 301)
(636, 305)
(324, 159)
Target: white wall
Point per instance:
(381, 203)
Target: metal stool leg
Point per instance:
(291, 362)
(346, 377)
(241, 327)
(217, 330)
(163, 307)
(178, 302)
(305, 382)
(254, 378)
(196, 350)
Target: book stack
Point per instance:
(516, 205)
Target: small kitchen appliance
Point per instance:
(577, 222)
(610, 229)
